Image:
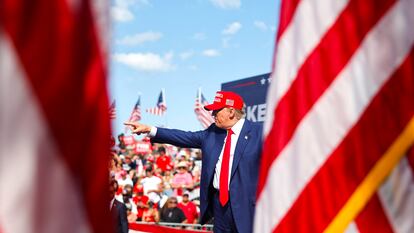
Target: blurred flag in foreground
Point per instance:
(161, 106)
(340, 121)
(203, 116)
(54, 137)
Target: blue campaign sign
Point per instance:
(253, 90)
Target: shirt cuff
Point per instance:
(153, 132)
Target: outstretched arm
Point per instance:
(172, 136)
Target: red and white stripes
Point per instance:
(203, 116)
(158, 111)
(161, 106)
(338, 67)
(54, 120)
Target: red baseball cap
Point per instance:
(225, 99)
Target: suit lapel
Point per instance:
(241, 145)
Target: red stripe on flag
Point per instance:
(287, 11)
(373, 219)
(60, 53)
(318, 72)
(349, 164)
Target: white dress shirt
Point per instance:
(111, 203)
(234, 137)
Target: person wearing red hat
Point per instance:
(231, 149)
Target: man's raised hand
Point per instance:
(138, 128)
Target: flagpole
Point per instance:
(199, 94)
(199, 103)
(166, 120)
(165, 113)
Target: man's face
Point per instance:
(172, 203)
(223, 117)
(182, 170)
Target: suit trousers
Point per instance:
(223, 217)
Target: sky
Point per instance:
(183, 45)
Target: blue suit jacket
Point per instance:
(119, 217)
(244, 173)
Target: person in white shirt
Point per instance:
(152, 185)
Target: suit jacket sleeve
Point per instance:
(180, 138)
(123, 218)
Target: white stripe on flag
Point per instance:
(307, 25)
(205, 117)
(37, 193)
(352, 90)
(100, 11)
(396, 196)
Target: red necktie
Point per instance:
(224, 172)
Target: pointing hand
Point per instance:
(138, 128)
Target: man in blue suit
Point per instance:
(118, 210)
(231, 149)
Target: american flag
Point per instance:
(54, 121)
(136, 111)
(340, 119)
(135, 114)
(112, 110)
(161, 106)
(203, 115)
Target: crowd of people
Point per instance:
(161, 185)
